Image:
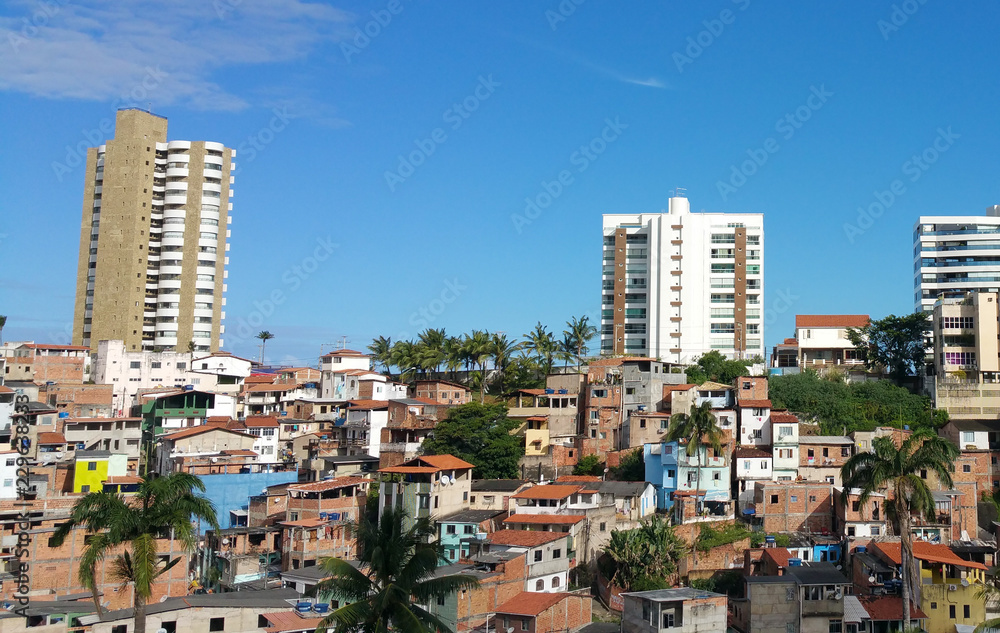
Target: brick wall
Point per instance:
(794, 507)
(568, 614)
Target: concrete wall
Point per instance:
(233, 491)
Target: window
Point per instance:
(668, 619)
(540, 585)
(966, 611)
(524, 622)
(604, 527)
(182, 365)
(774, 498)
(449, 529)
(91, 465)
(134, 364)
(850, 531)
(556, 553)
(812, 498)
(217, 624)
(951, 611)
(836, 626)
(968, 437)
(538, 555)
(440, 601)
(11, 462)
(467, 529)
(876, 530)
(123, 628)
(156, 365)
(794, 499)
(966, 468)
(964, 323)
(933, 605)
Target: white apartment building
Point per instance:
(953, 255)
(129, 371)
(677, 285)
(334, 368)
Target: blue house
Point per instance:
(661, 471)
(464, 525)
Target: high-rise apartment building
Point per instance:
(953, 255)
(679, 284)
(153, 243)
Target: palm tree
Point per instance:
(3, 322)
(579, 333)
(264, 337)
(543, 345)
(453, 357)
(403, 356)
(502, 350)
(565, 348)
(698, 429)
(381, 349)
(395, 575)
(898, 469)
(432, 353)
(478, 346)
(135, 522)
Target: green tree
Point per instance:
(3, 322)
(381, 349)
(589, 465)
(645, 557)
(478, 347)
(403, 357)
(162, 505)
(887, 466)
(717, 368)
(696, 430)
(502, 350)
(630, 468)
(431, 346)
(396, 573)
(578, 334)
(479, 434)
(543, 347)
(264, 336)
(895, 343)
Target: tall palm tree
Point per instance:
(543, 347)
(453, 357)
(580, 332)
(699, 430)
(135, 522)
(395, 576)
(565, 349)
(3, 322)
(432, 349)
(403, 357)
(502, 349)
(264, 337)
(381, 349)
(898, 469)
(479, 345)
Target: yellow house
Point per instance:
(536, 435)
(93, 468)
(948, 585)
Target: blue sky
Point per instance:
(441, 245)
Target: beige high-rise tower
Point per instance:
(154, 239)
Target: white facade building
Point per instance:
(334, 369)
(679, 284)
(953, 255)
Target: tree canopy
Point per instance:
(716, 367)
(479, 434)
(859, 406)
(894, 343)
(646, 557)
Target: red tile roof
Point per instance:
(240, 452)
(215, 419)
(444, 462)
(783, 417)
(343, 352)
(930, 552)
(524, 538)
(51, 438)
(779, 555)
(123, 480)
(831, 320)
(577, 479)
(260, 379)
(329, 484)
(757, 404)
(306, 523)
(548, 491)
(889, 608)
(54, 346)
(197, 430)
(409, 470)
(283, 621)
(260, 421)
(532, 603)
(545, 519)
(5, 389)
(368, 404)
(684, 387)
(751, 452)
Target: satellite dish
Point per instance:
(445, 479)
(164, 598)
(225, 541)
(510, 629)
(161, 630)
(871, 579)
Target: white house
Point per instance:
(8, 474)
(333, 369)
(750, 464)
(755, 422)
(785, 449)
(265, 432)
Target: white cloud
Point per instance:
(105, 51)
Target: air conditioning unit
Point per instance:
(952, 587)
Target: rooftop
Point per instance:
(277, 598)
(496, 485)
(889, 608)
(470, 516)
(532, 603)
(524, 538)
(674, 595)
(826, 439)
(548, 491)
(930, 552)
(831, 320)
(330, 484)
(817, 574)
(545, 519)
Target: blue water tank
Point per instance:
(862, 549)
(768, 539)
(63, 414)
(563, 391)
(188, 387)
(550, 391)
(795, 562)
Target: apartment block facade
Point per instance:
(153, 240)
(953, 255)
(676, 285)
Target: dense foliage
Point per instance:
(630, 468)
(858, 406)
(717, 368)
(895, 344)
(711, 537)
(479, 434)
(396, 572)
(646, 557)
(589, 465)
(728, 582)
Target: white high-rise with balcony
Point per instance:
(679, 284)
(953, 255)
